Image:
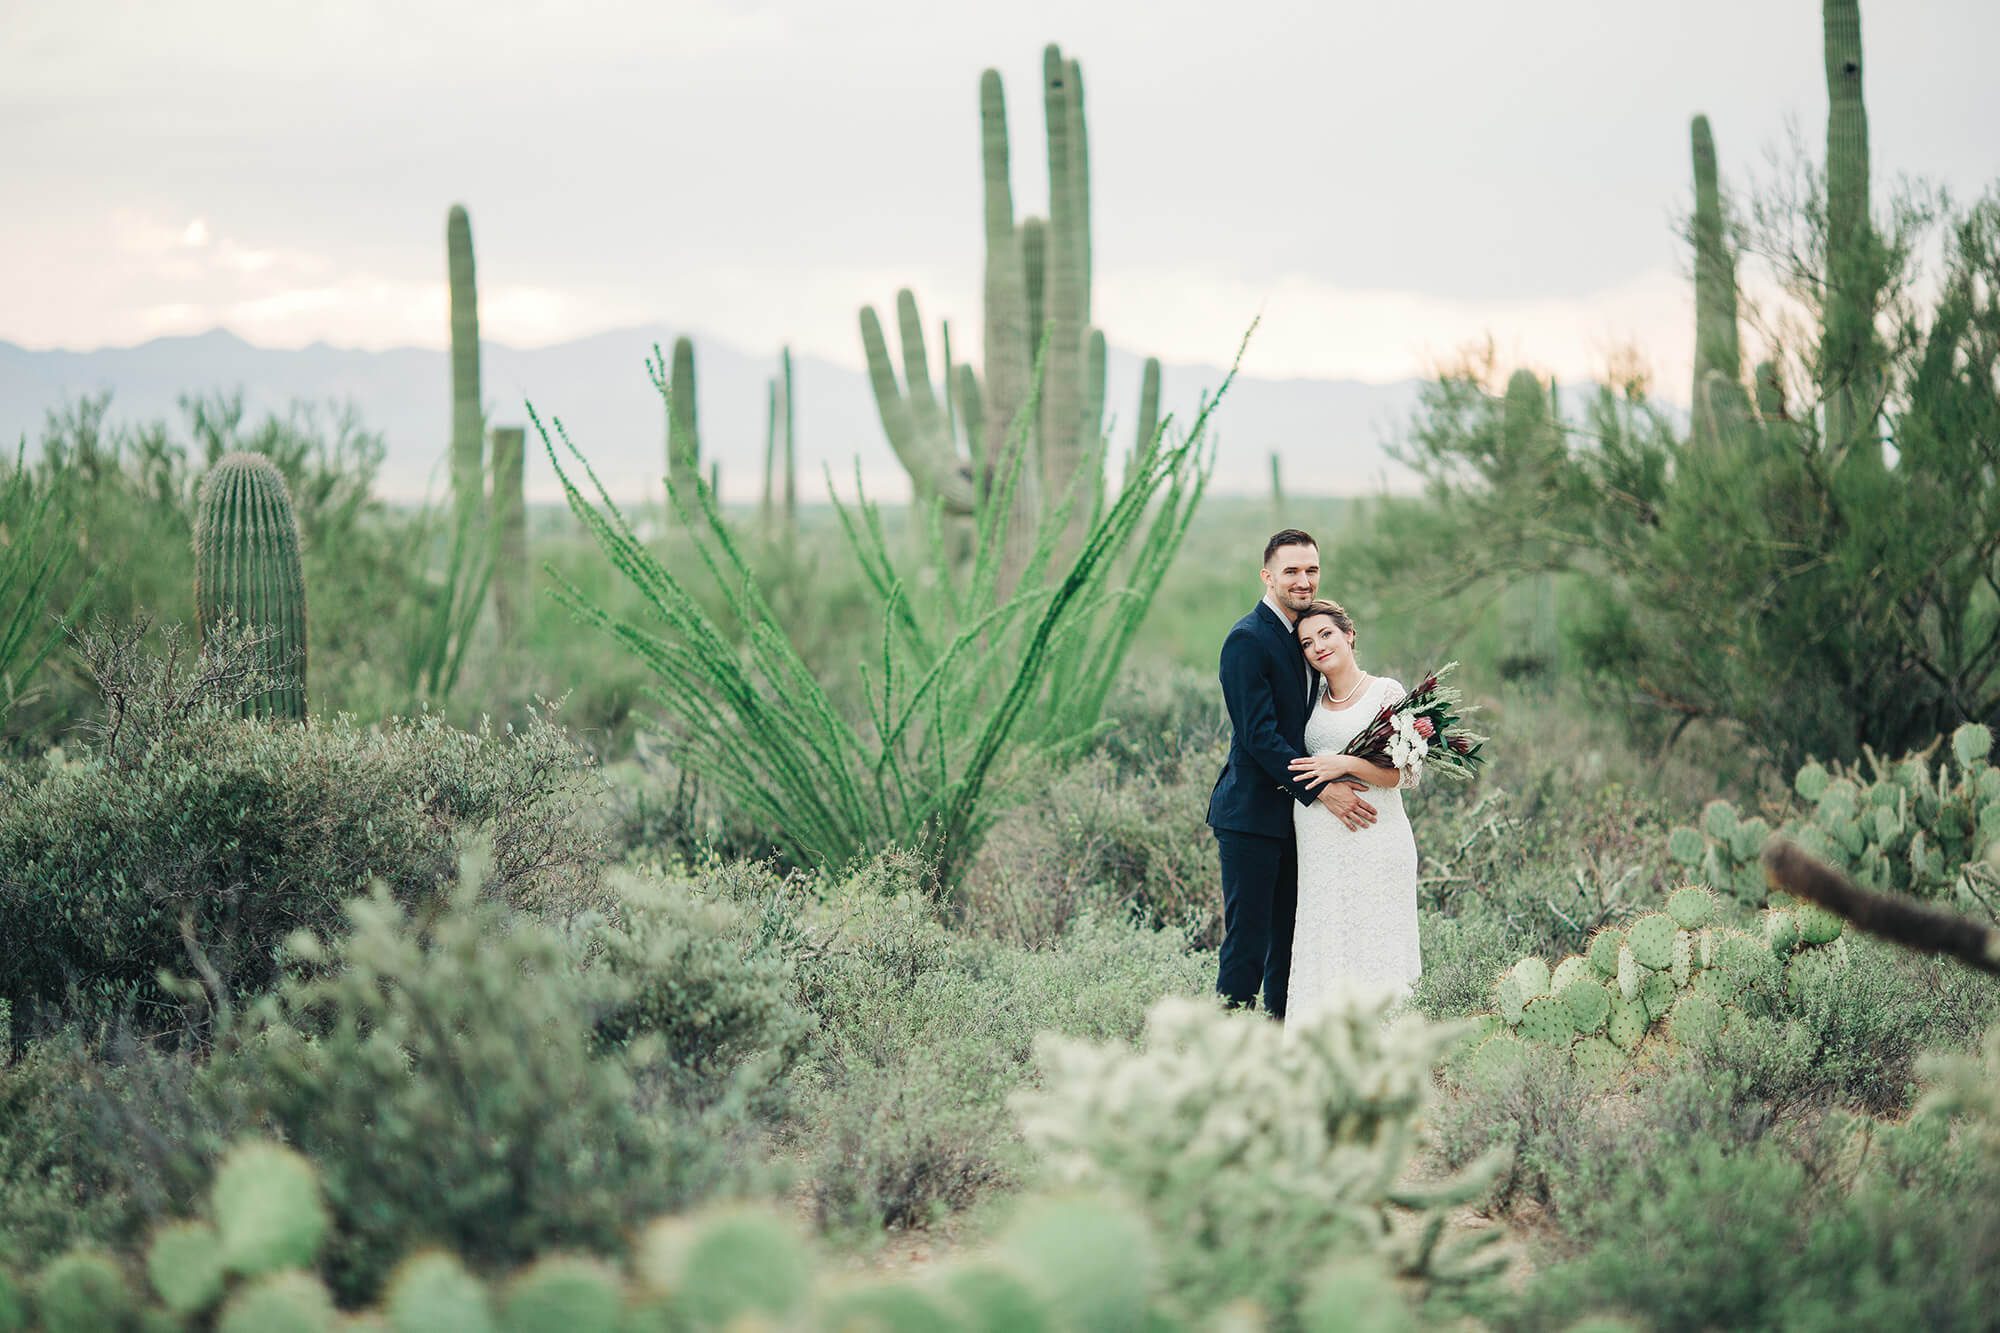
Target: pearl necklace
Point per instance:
(1350, 694)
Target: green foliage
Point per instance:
(247, 573)
(965, 675)
(686, 982)
(440, 1072)
(1714, 567)
(32, 558)
(1256, 1149)
(186, 840)
(923, 1036)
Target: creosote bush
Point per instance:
(183, 839)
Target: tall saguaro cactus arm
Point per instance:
(1008, 350)
(1064, 302)
(1716, 345)
(247, 570)
(683, 427)
(912, 417)
(468, 425)
(1847, 341)
(510, 531)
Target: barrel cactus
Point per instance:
(247, 572)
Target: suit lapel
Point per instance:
(1274, 625)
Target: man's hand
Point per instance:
(1347, 805)
(1318, 768)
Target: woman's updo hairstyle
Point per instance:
(1332, 610)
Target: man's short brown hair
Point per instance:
(1289, 537)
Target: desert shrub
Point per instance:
(1534, 1105)
(1696, 1216)
(1462, 955)
(923, 1034)
(1102, 835)
(182, 837)
(1254, 1149)
(1173, 712)
(1852, 1035)
(441, 1072)
(684, 980)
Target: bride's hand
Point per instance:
(1318, 768)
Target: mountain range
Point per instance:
(1328, 434)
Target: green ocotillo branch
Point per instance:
(247, 572)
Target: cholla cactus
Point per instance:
(1228, 1125)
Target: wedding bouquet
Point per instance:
(1424, 729)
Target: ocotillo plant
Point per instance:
(1717, 350)
(966, 674)
(247, 572)
(683, 429)
(510, 531)
(468, 426)
(33, 518)
(1848, 352)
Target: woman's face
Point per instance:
(1328, 650)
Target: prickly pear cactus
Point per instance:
(433, 1290)
(287, 1302)
(563, 1294)
(268, 1210)
(184, 1264)
(1651, 939)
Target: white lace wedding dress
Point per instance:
(1357, 921)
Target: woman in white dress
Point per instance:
(1357, 916)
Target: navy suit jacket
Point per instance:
(1264, 677)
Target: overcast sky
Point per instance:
(1384, 182)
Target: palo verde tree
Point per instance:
(1820, 571)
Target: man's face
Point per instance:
(1292, 575)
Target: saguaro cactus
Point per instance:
(778, 440)
(1848, 337)
(510, 531)
(468, 426)
(247, 569)
(1717, 349)
(683, 428)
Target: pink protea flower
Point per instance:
(1426, 728)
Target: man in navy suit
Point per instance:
(1266, 684)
